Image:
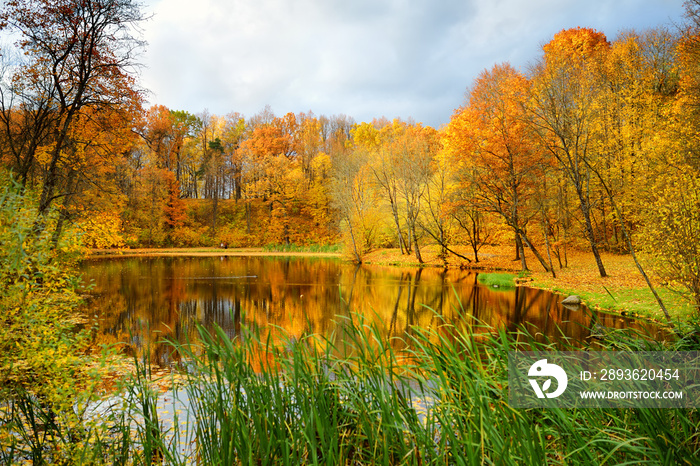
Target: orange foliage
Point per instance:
(174, 209)
(571, 45)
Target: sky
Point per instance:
(409, 59)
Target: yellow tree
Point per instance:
(355, 200)
(271, 149)
(565, 88)
(232, 136)
(441, 213)
(383, 164)
(309, 141)
(400, 160)
(632, 110)
(88, 181)
(670, 221)
(413, 148)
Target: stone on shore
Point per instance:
(573, 299)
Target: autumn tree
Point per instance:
(92, 196)
(174, 209)
(641, 83)
(215, 155)
(670, 217)
(79, 55)
(355, 200)
(455, 206)
(400, 160)
(440, 219)
(27, 121)
(165, 132)
(565, 89)
(490, 135)
(413, 148)
(384, 163)
(309, 141)
(232, 137)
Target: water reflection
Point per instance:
(141, 300)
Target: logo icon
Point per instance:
(542, 369)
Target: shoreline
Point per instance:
(623, 292)
(203, 252)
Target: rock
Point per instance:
(573, 299)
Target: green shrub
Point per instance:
(40, 344)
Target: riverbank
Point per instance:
(624, 291)
(205, 252)
(361, 402)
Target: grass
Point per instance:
(633, 301)
(623, 290)
(497, 280)
(326, 248)
(355, 399)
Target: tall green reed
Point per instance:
(353, 398)
(438, 396)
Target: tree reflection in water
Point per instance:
(144, 299)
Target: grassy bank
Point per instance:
(349, 399)
(623, 291)
(312, 248)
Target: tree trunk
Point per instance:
(51, 177)
(358, 258)
(247, 217)
(519, 251)
(394, 211)
(415, 244)
(586, 211)
(546, 242)
(534, 251)
(63, 213)
(591, 238)
(628, 240)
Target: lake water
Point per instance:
(143, 300)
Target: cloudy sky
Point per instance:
(362, 58)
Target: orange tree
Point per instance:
(491, 139)
(80, 54)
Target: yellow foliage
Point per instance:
(101, 231)
(40, 347)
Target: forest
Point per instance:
(592, 147)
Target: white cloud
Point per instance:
(406, 58)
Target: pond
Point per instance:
(142, 301)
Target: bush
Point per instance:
(40, 343)
(670, 234)
(186, 237)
